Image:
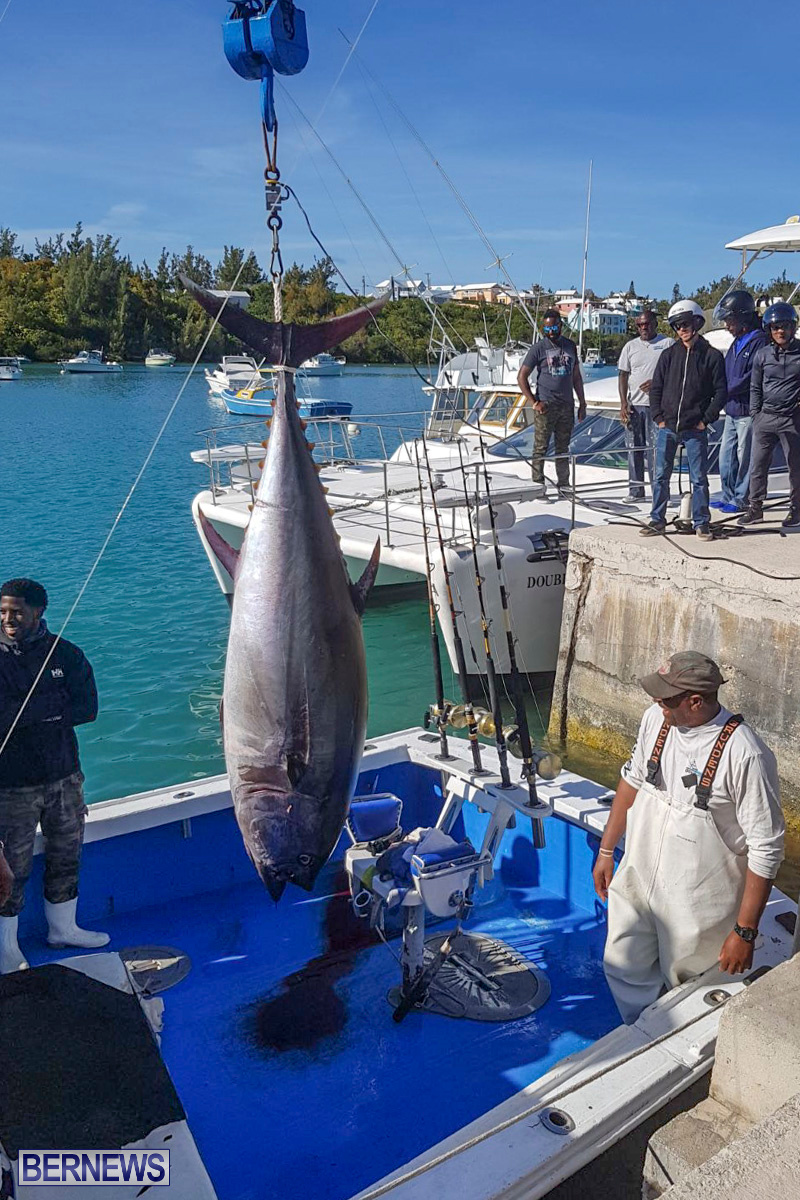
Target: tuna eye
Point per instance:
(304, 859)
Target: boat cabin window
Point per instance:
(451, 405)
(494, 408)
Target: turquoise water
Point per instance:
(153, 622)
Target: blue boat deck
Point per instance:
(295, 1079)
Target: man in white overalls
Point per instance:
(699, 805)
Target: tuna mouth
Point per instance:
(275, 878)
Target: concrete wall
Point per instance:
(631, 602)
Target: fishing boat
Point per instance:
(10, 369)
(593, 359)
(89, 362)
(281, 1071)
(159, 358)
(235, 373)
(254, 402)
(323, 364)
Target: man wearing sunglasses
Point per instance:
(687, 394)
(637, 364)
(555, 359)
(699, 805)
(775, 408)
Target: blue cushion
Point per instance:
(443, 858)
(373, 817)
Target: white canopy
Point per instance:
(776, 237)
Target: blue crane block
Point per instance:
(264, 36)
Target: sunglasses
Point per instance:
(674, 701)
(684, 324)
(784, 325)
(551, 328)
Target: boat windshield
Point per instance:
(496, 408)
(598, 440)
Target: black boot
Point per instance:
(754, 514)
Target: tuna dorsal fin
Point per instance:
(225, 553)
(360, 591)
(280, 344)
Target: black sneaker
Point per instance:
(752, 516)
(653, 529)
(792, 519)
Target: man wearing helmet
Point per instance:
(738, 312)
(775, 407)
(687, 394)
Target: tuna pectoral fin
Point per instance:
(360, 591)
(225, 553)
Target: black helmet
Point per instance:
(776, 314)
(735, 304)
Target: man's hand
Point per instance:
(582, 411)
(736, 955)
(602, 875)
(6, 879)
(624, 414)
(700, 427)
(537, 406)
(646, 386)
(662, 424)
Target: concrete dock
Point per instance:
(631, 602)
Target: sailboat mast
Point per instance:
(585, 263)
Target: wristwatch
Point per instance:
(746, 933)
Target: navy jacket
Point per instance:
(688, 387)
(43, 747)
(739, 368)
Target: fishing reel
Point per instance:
(547, 764)
(433, 714)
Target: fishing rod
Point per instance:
(442, 708)
(491, 675)
(461, 662)
(517, 691)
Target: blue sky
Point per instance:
(127, 117)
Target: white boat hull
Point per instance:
(334, 369)
(94, 369)
(7, 374)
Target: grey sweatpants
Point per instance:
(769, 428)
(60, 810)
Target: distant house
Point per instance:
(400, 289)
(480, 293)
(238, 299)
(599, 319)
(622, 302)
(567, 301)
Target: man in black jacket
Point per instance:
(40, 775)
(687, 394)
(775, 408)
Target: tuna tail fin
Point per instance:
(282, 345)
(360, 591)
(225, 553)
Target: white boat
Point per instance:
(89, 362)
(236, 373)
(279, 1017)
(159, 358)
(323, 364)
(10, 368)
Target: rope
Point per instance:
(118, 518)
(346, 63)
(544, 1102)
(5, 10)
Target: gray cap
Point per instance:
(688, 671)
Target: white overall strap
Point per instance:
(703, 789)
(654, 761)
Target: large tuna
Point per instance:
(295, 697)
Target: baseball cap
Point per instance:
(688, 671)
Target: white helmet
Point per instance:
(686, 308)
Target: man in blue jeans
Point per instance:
(687, 395)
(738, 311)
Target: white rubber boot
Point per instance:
(11, 957)
(62, 929)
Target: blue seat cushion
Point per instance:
(445, 857)
(374, 817)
